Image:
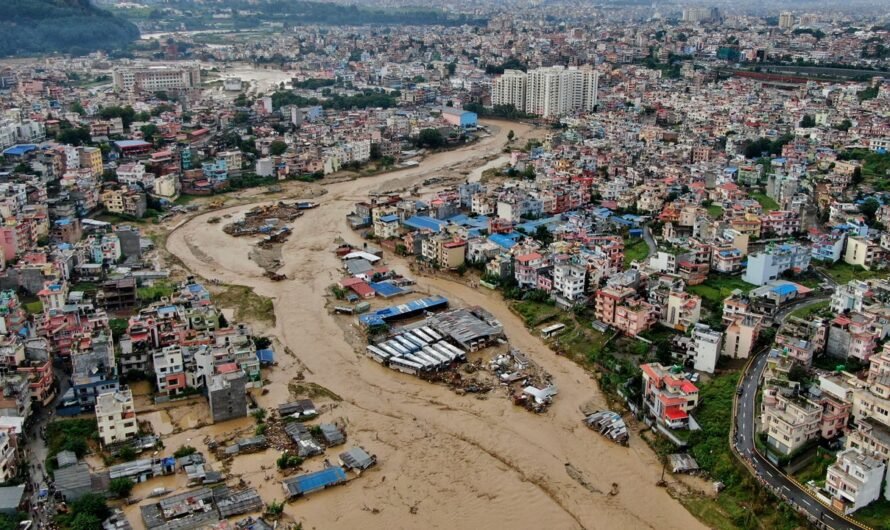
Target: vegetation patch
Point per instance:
(69, 435)
(311, 391)
(247, 304)
(635, 249)
(767, 203)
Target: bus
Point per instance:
(550, 331)
(405, 366)
(377, 354)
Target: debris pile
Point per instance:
(609, 424)
(530, 386)
(266, 219)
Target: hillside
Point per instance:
(30, 27)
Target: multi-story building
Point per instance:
(854, 480)
(790, 422)
(548, 92)
(769, 264)
(863, 252)
(156, 77)
(169, 370)
(568, 281)
(509, 89)
(669, 397)
(116, 416)
(741, 335)
(707, 344)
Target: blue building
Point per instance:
(217, 171)
(462, 118)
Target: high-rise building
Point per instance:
(786, 20)
(701, 14)
(509, 89)
(548, 92)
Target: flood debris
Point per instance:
(267, 219)
(609, 424)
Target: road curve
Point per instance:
(744, 419)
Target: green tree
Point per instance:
(118, 327)
(277, 148)
(430, 138)
(127, 454)
(77, 107)
(869, 208)
(184, 450)
(807, 122)
(149, 132)
(91, 504)
(121, 487)
(84, 521)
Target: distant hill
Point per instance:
(29, 27)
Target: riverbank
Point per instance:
(497, 465)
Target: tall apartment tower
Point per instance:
(509, 89)
(786, 20)
(557, 91)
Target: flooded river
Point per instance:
(446, 461)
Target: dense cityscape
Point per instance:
(565, 264)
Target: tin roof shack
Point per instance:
(73, 481)
(238, 503)
(143, 469)
(11, 499)
(253, 444)
(357, 459)
(302, 409)
(227, 396)
(609, 424)
(472, 328)
(186, 511)
(331, 434)
(117, 521)
(311, 482)
(306, 444)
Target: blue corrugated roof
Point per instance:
(391, 218)
(393, 312)
(386, 289)
(420, 222)
(317, 480)
(19, 150)
(503, 240)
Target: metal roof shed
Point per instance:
(11, 499)
(357, 458)
(311, 482)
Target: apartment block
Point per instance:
(668, 395)
(116, 416)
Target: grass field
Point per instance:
(842, 273)
(806, 312)
(635, 249)
(715, 211)
(767, 203)
(717, 288)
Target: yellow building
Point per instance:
(91, 158)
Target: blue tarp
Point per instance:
(391, 218)
(19, 150)
(316, 481)
(784, 289)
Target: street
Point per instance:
(745, 417)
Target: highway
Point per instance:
(745, 416)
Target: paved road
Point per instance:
(745, 418)
(650, 241)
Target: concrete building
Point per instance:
(707, 345)
(786, 20)
(769, 264)
(227, 396)
(548, 92)
(741, 335)
(854, 480)
(509, 89)
(668, 396)
(116, 416)
(156, 77)
(790, 422)
(863, 252)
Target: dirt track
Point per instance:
(447, 461)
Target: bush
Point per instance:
(121, 487)
(127, 453)
(184, 450)
(288, 461)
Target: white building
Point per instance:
(157, 78)
(849, 296)
(568, 280)
(509, 89)
(769, 264)
(168, 368)
(265, 167)
(854, 480)
(548, 92)
(116, 416)
(707, 343)
(131, 174)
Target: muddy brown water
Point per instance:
(446, 461)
